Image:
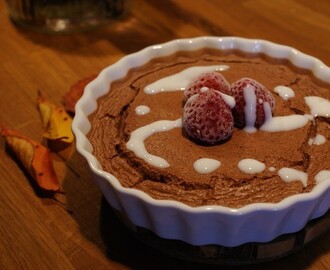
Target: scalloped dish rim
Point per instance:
(226, 226)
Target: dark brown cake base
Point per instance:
(249, 253)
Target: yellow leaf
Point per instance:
(56, 121)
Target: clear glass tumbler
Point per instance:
(65, 15)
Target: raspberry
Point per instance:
(207, 118)
(251, 99)
(212, 80)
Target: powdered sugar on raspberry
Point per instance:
(207, 118)
(213, 80)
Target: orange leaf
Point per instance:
(56, 121)
(35, 158)
(70, 99)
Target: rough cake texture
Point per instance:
(115, 119)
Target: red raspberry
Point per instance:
(250, 97)
(213, 80)
(207, 118)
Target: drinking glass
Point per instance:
(65, 15)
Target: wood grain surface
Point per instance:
(79, 231)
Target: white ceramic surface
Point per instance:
(260, 222)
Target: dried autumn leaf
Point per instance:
(35, 158)
(56, 121)
(70, 99)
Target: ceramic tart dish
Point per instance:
(207, 222)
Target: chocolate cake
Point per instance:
(158, 158)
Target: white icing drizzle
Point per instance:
(318, 106)
(179, 81)
(251, 166)
(206, 165)
(284, 92)
(142, 110)
(282, 123)
(138, 136)
(204, 89)
(285, 123)
(272, 169)
(317, 140)
(250, 108)
(229, 100)
(289, 175)
(268, 112)
(322, 176)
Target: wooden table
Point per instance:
(83, 233)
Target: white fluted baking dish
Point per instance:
(259, 222)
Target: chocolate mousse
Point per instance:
(137, 133)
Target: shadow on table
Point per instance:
(126, 246)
